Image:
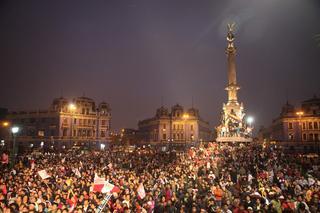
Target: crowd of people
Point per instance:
(210, 178)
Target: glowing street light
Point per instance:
(5, 124)
(15, 129)
(300, 113)
(72, 107)
(102, 146)
(250, 120)
(185, 116)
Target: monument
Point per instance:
(233, 127)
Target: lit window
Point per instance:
(41, 133)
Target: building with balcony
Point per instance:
(175, 126)
(64, 122)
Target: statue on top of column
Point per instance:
(230, 36)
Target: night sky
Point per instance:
(134, 54)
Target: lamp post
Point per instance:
(14, 131)
(185, 117)
(299, 114)
(250, 120)
(72, 107)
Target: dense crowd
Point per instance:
(215, 178)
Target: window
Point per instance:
(65, 131)
(103, 134)
(310, 137)
(174, 127)
(290, 136)
(83, 110)
(290, 126)
(316, 137)
(315, 125)
(181, 136)
(191, 127)
(103, 122)
(303, 125)
(41, 133)
(164, 136)
(75, 121)
(174, 136)
(74, 133)
(89, 121)
(304, 137)
(52, 132)
(310, 125)
(164, 126)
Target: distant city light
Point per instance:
(15, 129)
(31, 145)
(42, 143)
(5, 124)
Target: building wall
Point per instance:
(173, 126)
(59, 123)
(297, 124)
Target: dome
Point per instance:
(162, 111)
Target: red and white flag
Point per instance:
(43, 174)
(103, 186)
(5, 158)
(141, 191)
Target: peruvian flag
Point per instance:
(103, 186)
(5, 158)
(141, 191)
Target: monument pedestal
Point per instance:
(235, 139)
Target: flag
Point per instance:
(103, 186)
(141, 191)
(43, 174)
(5, 158)
(77, 172)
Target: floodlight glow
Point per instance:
(15, 129)
(250, 120)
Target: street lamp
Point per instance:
(5, 124)
(14, 131)
(72, 107)
(300, 114)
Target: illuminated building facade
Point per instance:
(177, 126)
(65, 122)
(297, 124)
(233, 127)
